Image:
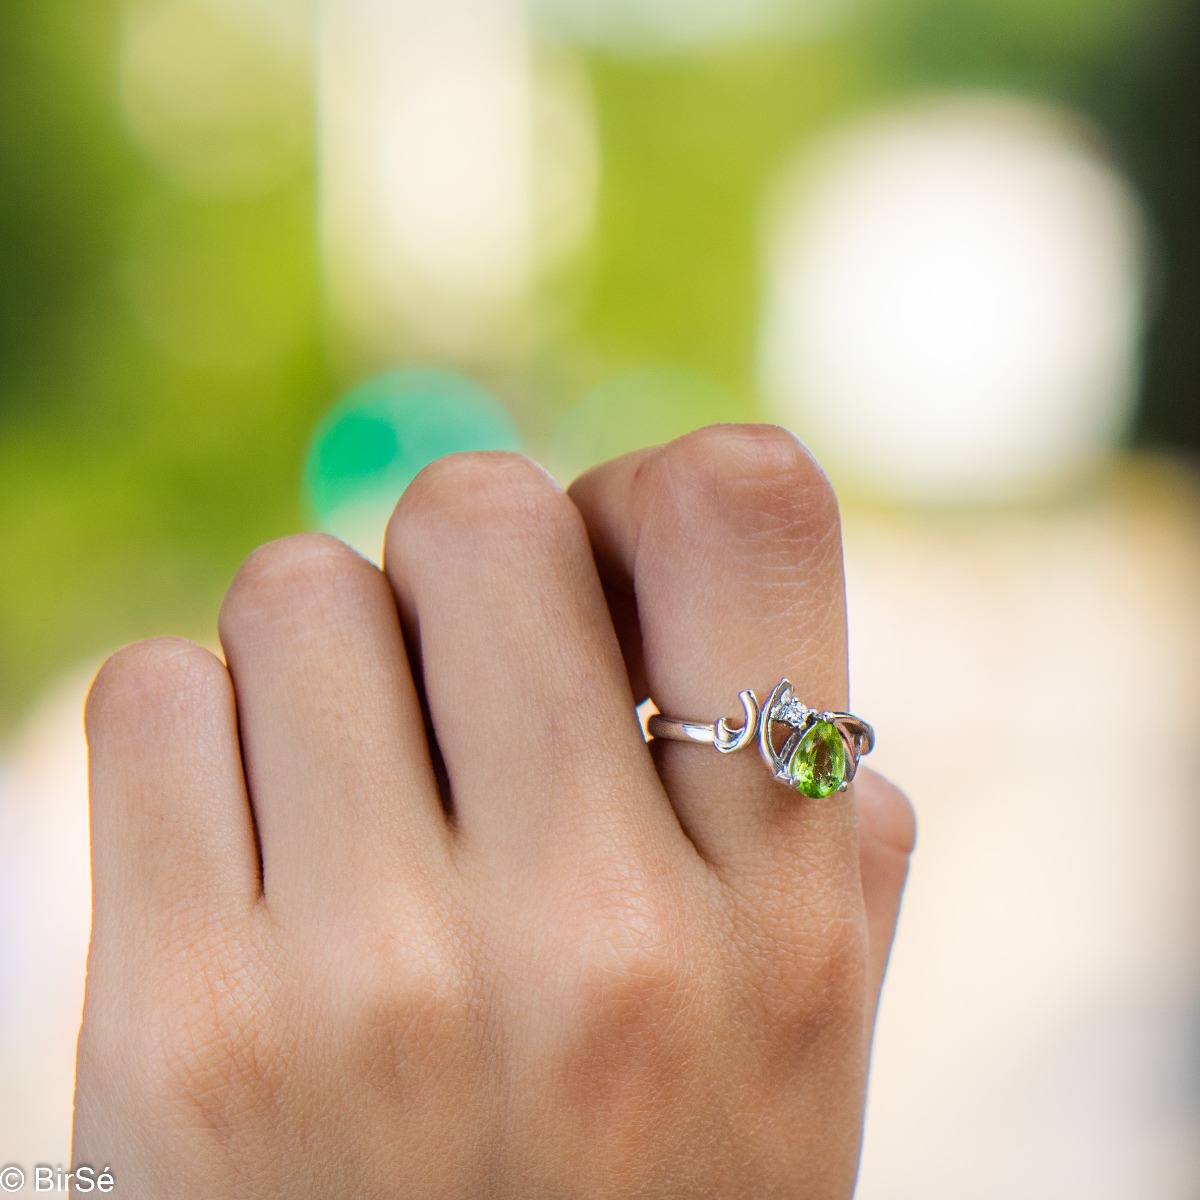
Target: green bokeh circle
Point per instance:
(371, 445)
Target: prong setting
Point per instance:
(818, 756)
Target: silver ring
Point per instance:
(817, 755)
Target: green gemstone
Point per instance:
(818, 764)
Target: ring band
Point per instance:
(818, 756)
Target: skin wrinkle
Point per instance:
(776, 532)
(475, 488)
(179, 693)
(318, 591)
(205, 1040)
(304, 568)
(162, 680)
(563, 998)
(776, 575)
(548, 613)
(475, 594)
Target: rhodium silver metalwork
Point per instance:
(806, 756)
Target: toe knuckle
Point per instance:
(154, 680)
(755, 478)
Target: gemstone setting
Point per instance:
(792, 711)
(817, 766)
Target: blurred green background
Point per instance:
(261, 259)
(166, 350)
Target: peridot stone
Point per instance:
(818, 764)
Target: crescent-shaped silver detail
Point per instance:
(780, 695)
(728, 740)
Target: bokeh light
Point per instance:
(45, 915)
(371, 446)
(648, 26)
(457, 166)
(955, 301)
(217, 93)
(634, 410)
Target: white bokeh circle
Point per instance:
(954, 300)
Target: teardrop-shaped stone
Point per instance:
(818, 764)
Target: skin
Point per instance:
(541, 959)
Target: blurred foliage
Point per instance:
(162, 347)
(160, 362)
(690, 146)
